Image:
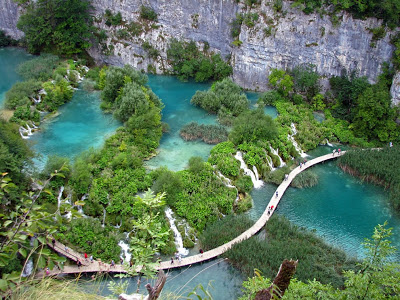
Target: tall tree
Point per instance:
(59, 26)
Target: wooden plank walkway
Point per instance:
(98, 266)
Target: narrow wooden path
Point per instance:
(98, 266)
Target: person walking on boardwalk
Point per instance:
(85, 255)
(53, 241)
(276, 194)
(79, 263)
(333, 152)
(112, 263)
(172, 260)
(339, 151)
(91, 258)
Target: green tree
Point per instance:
(253, 126)
(282, 81)
(58, 26)
(375, 119)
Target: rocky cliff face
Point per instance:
(297, 38)
(278, 40)
(9, 15)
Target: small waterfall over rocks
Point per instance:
(226, 181)
(104, 217)
(275, 152)
(257, 183)
(291, 138)
(125, 251)
(178, 237)
(270, 164)
(59, 197)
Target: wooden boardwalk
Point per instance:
(98, 266)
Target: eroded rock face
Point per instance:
(298, 38)
(395, 89)
(276, 40)
(9, 15)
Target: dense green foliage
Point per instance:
(198, 194)
(40, 68)
(224, 98)
(283, 239)
(189, 62)
(59, 26)
(210, 134)
(377, 166)
(21, 92)
(223, 231)
(87, 235)
(15, 155)
(252, 126)
(5, 40)
(377, 276)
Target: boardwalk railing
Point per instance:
(98, 266)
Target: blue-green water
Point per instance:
(10, 58)
(174, 152)
(342, 209)
(80, 126)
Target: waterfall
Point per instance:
(271, 165)
(23, 133)
(27, 271)
(104, 217)
(125, 250)
(256, 182)
(275, 152)
(328, 144)
(296, 146)
(59, 197)
(80, 208)
(177, 234)
(226, 181)
(256, 173)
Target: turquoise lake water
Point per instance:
(10, 58)
(80, 126)
(340, 208)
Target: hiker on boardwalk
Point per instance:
(286, 177)
(85, 255)
(276, 194)
(66, 249)
(339, 151)
(121, 260)
(201, 252)
(333, 152)
(112, 263)
(79, 263)
(172, 260)
(269, 211)
(91, 258)
(53, 241)
(47, 271)
(179, 258)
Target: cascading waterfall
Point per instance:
(27, 271)
(104, 217)
(256, 173)
(80, 208)
(59, 197)
(227, 182)
(276, 152)
(256, 182)
(291, 138)
(271, 165)
(328, 144)
(125, 250)
(178, 237)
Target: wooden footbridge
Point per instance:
(99, 266)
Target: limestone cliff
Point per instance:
(277, 40)
(9, 14)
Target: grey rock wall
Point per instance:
(298, 38)
(9, 15)
(295, 37)
(395, 89)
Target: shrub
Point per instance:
(40, 68)
(148, 13)
(305, 179)
(21, 92)
(244, 184)
(210, 134)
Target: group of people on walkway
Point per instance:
(334, 151)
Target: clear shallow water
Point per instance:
(80, 126)
(342, 209)
(225, 281)
(10, 58)
(174, 152)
